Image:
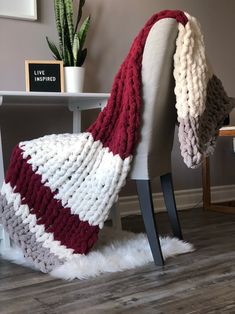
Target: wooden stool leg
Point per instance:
(206, 187)
(222, 208)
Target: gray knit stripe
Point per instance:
(197, 136)
(188, 139)
(19, 232)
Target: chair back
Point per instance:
(152, 157)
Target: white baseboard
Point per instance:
(185, 199)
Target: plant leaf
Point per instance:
(81, 57)
(71, 41)
(68, 45)
(68, 61)
(76, 47)
(54, 49)
(68, 4)
(61, 21)
(57, 10)
(83, 31)
(81, 4)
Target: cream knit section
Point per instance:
(85, 175)
(191, 71)
(46, 238)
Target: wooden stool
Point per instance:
(226, 131)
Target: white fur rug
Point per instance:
(115, 251)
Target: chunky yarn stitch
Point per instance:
(201, 102)
(59, 189)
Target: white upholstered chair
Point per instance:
(153, 154)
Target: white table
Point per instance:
(76, 102)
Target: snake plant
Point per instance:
(71, 37)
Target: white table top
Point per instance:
(229, 127)
(21, 97)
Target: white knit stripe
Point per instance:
(102, 185)
(85, 175)
(55, 247)
(46, 149)
(69, 193)
(191, 71)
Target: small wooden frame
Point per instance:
(44, 76)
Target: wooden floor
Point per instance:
(200, 282)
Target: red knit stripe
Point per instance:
(66, 227)
(117, 126)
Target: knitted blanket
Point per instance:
(59, 189)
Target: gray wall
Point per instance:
(114, 25)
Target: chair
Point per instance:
(153, 154)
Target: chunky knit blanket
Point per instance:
(59, 189)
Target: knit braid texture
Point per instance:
(59, 189)
(201, 101)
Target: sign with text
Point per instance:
(44, 76)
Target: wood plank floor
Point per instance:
(199, 282)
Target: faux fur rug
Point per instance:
(115, 251)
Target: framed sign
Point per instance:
(23, 9)
(44, 76)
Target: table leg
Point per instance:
(116, 217)
(1, 161)
(76, 120)
(4, 238)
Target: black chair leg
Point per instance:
(147, 210)
(169, 197)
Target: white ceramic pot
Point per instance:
(74, 79)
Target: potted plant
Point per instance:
(71, 43)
